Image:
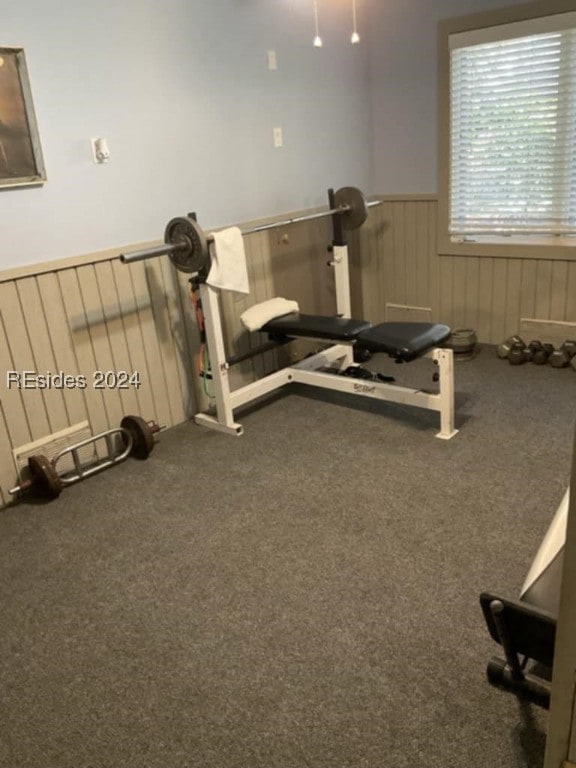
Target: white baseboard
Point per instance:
(552, 331)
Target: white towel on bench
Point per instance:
(258, 315)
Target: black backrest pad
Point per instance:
(403, 341)
(532, 631)
(315, 326)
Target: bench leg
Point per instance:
(444, 358)
(224, 421)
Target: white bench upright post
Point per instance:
(218, 365)
(342, 284)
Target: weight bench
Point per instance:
(188, 247)
(282, 322)
(402, 341)
(527, 635)
(526, 627)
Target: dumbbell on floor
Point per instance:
(136, 437)
(517, 354)
(539, 352)
(535, 352)
(562, 357)
(505, 348)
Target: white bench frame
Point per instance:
(339, 356)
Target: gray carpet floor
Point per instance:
(304, 596)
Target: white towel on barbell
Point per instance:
(228, 270)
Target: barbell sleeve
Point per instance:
(148, 253)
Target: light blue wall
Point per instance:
(404, 75)
(181, 91)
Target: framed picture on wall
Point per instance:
(21, 162)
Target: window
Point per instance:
(509, 135)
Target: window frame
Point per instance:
(488, 246)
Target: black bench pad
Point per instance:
(403, 341)
(315, 326)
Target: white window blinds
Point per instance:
(513, 131)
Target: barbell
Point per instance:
(187, 245)
(136, 438)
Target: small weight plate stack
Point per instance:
(463, 343)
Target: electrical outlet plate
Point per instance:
(100, 151)
(272, 62)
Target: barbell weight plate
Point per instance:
(141, 434)
(352, 199)
(45, 479)
(192, 253)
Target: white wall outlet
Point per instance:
(278, 137)
(272, 62)
(100, 151)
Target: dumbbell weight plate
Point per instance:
(540, 356)
(142, 436)
(44, 477)
(517, 355)
(503, 349)
(532, 350)
(569, 347)
(559, 358)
